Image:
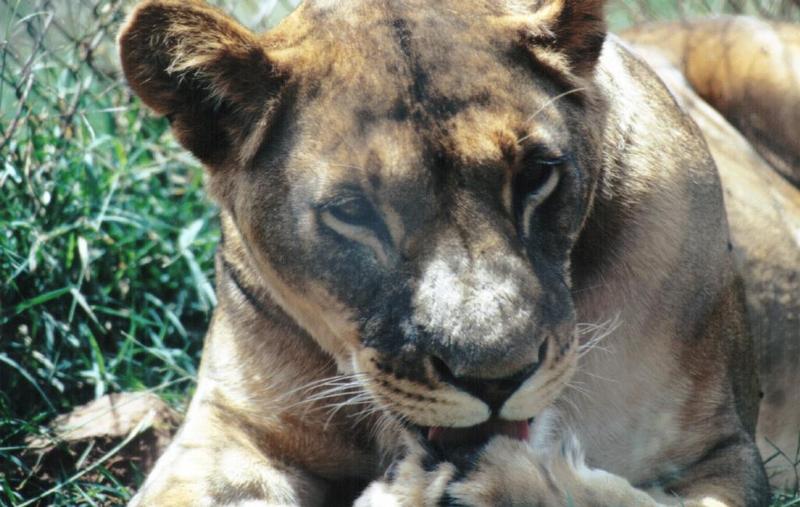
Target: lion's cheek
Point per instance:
(326, 319)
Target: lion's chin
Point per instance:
(480, 434)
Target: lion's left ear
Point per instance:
(574, 28)
(208, 74)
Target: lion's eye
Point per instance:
(355, 218)
(353, 211)
(532, 186)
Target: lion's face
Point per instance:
(410, 185)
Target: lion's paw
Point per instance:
(512, 473)
(411, 482)
(508, 472)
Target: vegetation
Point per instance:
(106, 241)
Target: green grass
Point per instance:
(106, 244)
(106, 253)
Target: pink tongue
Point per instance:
(518, 430)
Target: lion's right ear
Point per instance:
(209, 75)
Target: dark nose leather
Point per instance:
(495, 391)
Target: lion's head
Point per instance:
(410, 178)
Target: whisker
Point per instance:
(575, 387)
(366, 412)
(329, 396)
(355, 400)
(340, 386)
(334, 408)
(317, 383)
(344, 386)
(574, 406)
(339, 392)
(543, 106)
(600, 377)
(598, 331)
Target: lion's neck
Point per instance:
(271, 376)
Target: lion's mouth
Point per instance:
(475, 437)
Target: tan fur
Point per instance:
(385, 265)
(748, 70)
(763, 208)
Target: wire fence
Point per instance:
(626, 12)
(58, 62)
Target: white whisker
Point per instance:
(338, 388)
(574, 406)
(599, 377)
(597, 333)
(318, 383)
(334, 408)
(543, 106)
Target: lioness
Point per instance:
(474, 253)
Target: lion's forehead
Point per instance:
(459, 78)
(416, 105)
(358, 13)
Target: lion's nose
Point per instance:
(493, 391)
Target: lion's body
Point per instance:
(745, 73)
(319, 354)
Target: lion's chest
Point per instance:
(633, 409)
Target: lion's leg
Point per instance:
(730, 474)
(208, 465)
